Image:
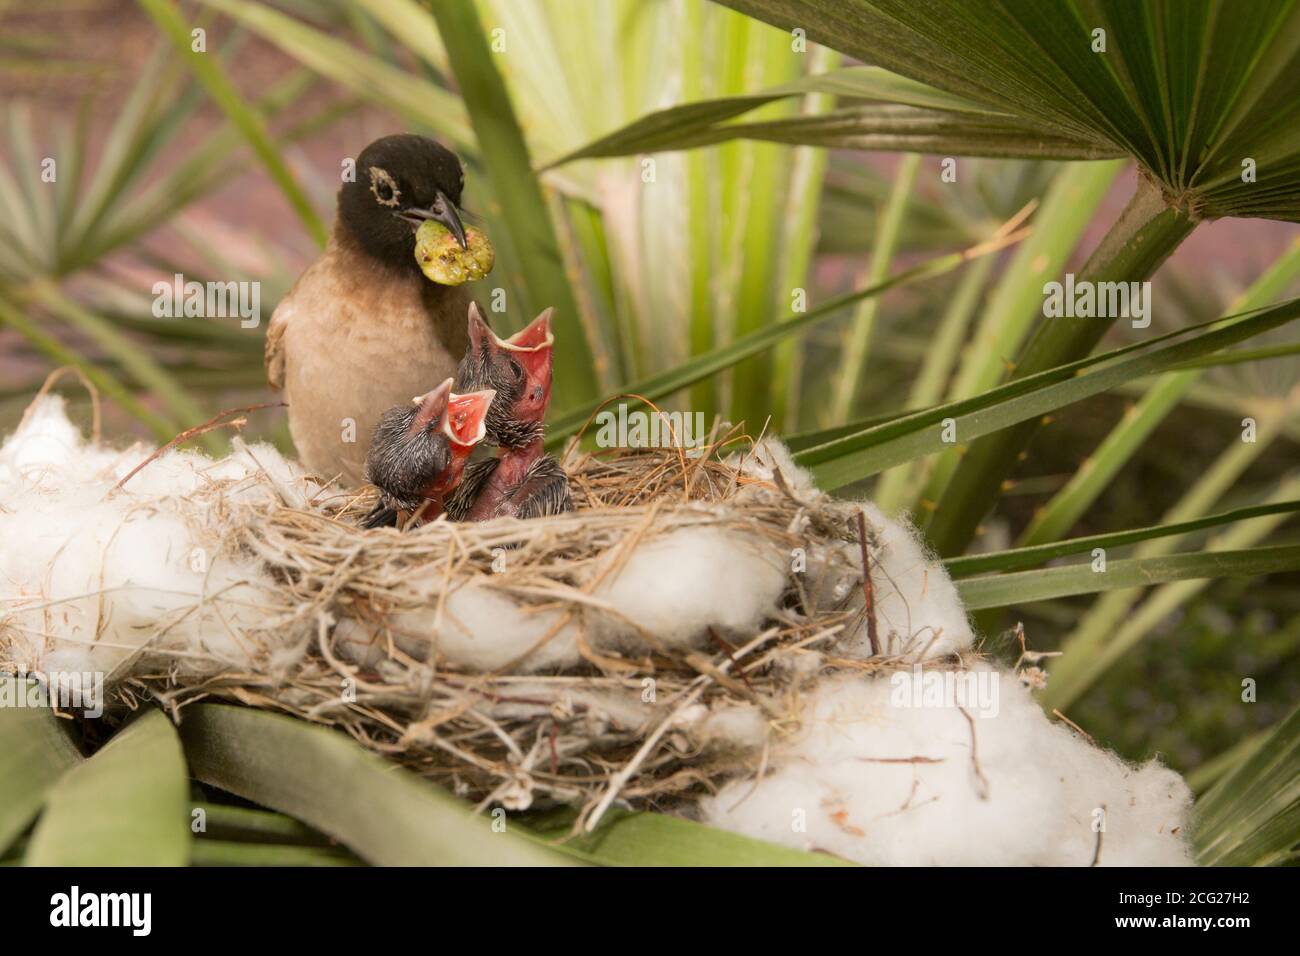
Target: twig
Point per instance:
(868, 589)
(211, 424)
(58, 373)
(1077, 729)
(983, 789)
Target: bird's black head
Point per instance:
(401, 181)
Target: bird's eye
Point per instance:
(384, 187)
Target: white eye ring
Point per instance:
(380, 177)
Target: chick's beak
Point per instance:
(465, 421)
(532, 348)
(536, 336)
(432, 407)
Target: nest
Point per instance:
(616, 727)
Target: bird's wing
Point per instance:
(543, 491)
(274, 356)
(471, 485)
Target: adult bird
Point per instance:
(362, 330)
(522, 481)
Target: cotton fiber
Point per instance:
(885, 775)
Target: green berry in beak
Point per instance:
(442, 259)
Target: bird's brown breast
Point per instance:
(355, 339)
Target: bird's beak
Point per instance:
(442, 211)
(480, 333)
(532, 347)
(535, 337)
(432, 406)
(465, 422)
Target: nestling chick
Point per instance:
(523, 481)
(362, 329)
(419, 451)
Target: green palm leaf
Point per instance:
(1024, 587)
(384, 814)
(702, 366)
(35, 752)
(1251, 817)
(910, 113)
(517, 190)
(851, 458)
(127, 805)
(656, 839)
(1188, 89)
(248, 121)
(1040, 554)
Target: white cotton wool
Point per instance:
(479, 629)
(89, 574)
(482, 629)
(918, 613)
(874, 778)
(739, 726)
(668, 591)
(679, 585)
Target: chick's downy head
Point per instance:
(424, 445)
(518, 368)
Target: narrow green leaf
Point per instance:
(252, 825)
(126, 805)
(700, 122)
(1095, 473)
(209, 71)
(106, 383)
(701, 366)
(383, 813)
(1028, 557)
(803, 209)
(1016, 300)
(504, 154)
(35, 752)
(1145, 234)
(1112, 626)
(1025, 587)
(212, 163)
(855, 457)
(231, 853)
(899, 488)
(424, 104)
(144, 368)
(864, 318)
(1187, 89)
(906, 129)
(655, 839)
(1207, 774)
(412, 26)
(1251, 817)
(760, 223)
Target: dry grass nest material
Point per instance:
(619, 727)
